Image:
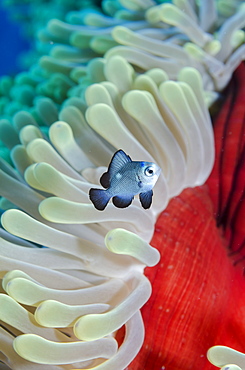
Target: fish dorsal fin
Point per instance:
(119, 159)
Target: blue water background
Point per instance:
(12, 44)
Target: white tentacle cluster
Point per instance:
(80, 271)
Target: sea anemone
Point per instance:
(199, 282)
(73, 277)
(78, 283)
(207, 36)
(221, 356)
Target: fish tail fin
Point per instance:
(99, 198)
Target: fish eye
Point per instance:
(149, 171)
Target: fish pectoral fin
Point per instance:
(122, 202)
(105, 180)
(99, 198)
(146, 199)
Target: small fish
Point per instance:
(123, 180)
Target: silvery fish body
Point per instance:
(125, 179)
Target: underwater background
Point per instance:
(13, 43)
